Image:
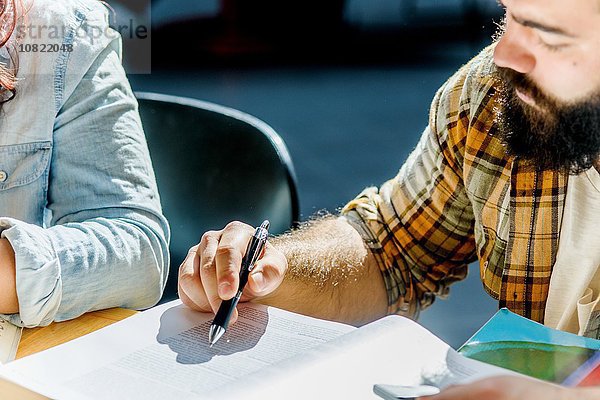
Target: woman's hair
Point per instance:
(8, 70)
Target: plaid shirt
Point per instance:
(459, 197)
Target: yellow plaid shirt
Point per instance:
(459, 197)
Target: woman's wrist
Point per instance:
(9, 303)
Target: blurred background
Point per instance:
(346, 83)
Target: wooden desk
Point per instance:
(38, 339)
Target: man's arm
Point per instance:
(331, 274)
(322, 269)
(9, 303)
(419, 228)
(515, 388)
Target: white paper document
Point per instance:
(269, 353)
(10, 335)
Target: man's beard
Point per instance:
(557, 136)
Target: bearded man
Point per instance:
(506, 172)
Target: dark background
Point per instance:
(347, 84)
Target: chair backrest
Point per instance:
(214, 164)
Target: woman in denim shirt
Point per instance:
(80, 218)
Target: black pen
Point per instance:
(253, 252)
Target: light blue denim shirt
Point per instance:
(78, 197)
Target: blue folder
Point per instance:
(517, 343)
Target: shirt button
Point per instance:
(3, 176)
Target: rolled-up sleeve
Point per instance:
(106, 240)
(419, 225)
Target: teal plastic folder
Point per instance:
(519, 344)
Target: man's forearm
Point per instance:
(587, 393)
(331, 274)
(9, 303)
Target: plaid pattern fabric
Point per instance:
(593, 326)
(459, 197)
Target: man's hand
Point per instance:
(514, 388)
(329, 272)
(210, 272)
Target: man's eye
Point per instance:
(553, 47)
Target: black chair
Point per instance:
(214, 164)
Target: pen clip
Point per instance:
(257, 244)
(262, 232)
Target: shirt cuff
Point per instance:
(38, 273)
(363, 215)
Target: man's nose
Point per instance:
(510, 52)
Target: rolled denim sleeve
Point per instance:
(106, 240)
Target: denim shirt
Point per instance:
(78, 197)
